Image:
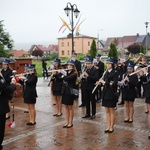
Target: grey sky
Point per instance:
(37, 21)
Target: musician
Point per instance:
(69, 81)
(7, 73)
(91, 76)
(109, 97)
(76, 63)
(44, 66)
(57, 87)
(83, 84)
(5, 88)
(129, 92)
(30, 93)
(125, 64)
(100, 67)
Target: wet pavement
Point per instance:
(86, 134)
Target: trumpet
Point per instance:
(139, 58)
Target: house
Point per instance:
(100, 45)
(82, 44)
(53, 48)
(19, 53)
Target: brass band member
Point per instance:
(30, 93)
(7, 73)
(57, 87)
(109, 99)
(129, 92)
(91, 76)
(70, 79)
(5, 88)
(83, 84)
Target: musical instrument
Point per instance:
(139, 58)
(55, 70)
(97, 84)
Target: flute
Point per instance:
(99, 82)
(55, 70)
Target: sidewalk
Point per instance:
(86, 134)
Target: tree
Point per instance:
(134, 48)
(6, 43)
(142, 49)
(37, 53)
(113, 51)
(93, 49)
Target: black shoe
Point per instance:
(26, 111)
(31, 124)
(64, 126)
(121, 103)
(69, 126)
(147, 112)
(93, 116)
(130, 121)
(82, 105)
(55, 115)
(59, 115)
(106, 131)
(125, 121)
(86, 116)
(111, 131)
(149, 137)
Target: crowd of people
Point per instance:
(98, 83)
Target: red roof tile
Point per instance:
(19, 53)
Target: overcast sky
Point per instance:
(37, 21)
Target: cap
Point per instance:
(5, 61)
(74, 54)
(130, 65)
(57, 60)
(70, 62)
(98, 55)
(31, 66)
(26, 65)
(110, 60)
(89, 61)
(86, 57)
(126, 53)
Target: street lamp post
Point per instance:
(146, 24)
(76, 13)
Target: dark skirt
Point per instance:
(130, 100)
(68, 99)
(109, 103)
(147, 100)
(30, 100)
(57, 93)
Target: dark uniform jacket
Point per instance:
(110, 86)
(92, 78)
(4, 96)
(129, 88)
(7, 75)
(146, 81)
(30, 87)
(69, 81)
(100, 65)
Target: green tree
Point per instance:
(142, 49)
(113, 51)
(93, 49)
(6, 43)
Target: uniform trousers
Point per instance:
(90, 98)
(2, 128)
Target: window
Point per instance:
(62, 44)
(68, 43)
(88, 43)
(68, 52)
(62, 52)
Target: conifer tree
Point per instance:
(113, 51)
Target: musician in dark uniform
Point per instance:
(109, 94)
(91, 76)
(125, 64)
(69, 81)
(57, 83)
(129, 92)
(44, 66)
(83, 84)
(100, 67)
(7, 73)
(30, 93)
(5, 88)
